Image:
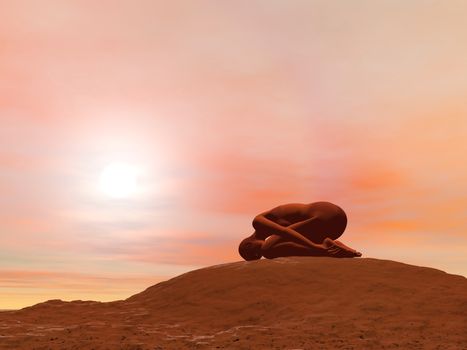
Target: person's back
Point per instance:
(329, 220)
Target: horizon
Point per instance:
(139, 140)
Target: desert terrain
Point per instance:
(285, 303)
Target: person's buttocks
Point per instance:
(298, 229)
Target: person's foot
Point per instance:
(342, 245)
(337, 249)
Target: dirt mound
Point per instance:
(284, 303)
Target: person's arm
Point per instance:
(260, 222)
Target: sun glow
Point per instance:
(119, 180)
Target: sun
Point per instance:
(119, 180)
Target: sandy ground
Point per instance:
(286, 303)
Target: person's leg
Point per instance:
(332, 249)
(322, 226)
(290, 249)
(276, 246)
(315, 229)
(322, 229)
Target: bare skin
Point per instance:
(302, 229)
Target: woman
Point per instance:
(298, 229)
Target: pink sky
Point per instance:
(230, 108)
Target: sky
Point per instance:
(226, 109)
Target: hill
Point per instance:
(284, 303)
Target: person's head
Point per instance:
(250, 249)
